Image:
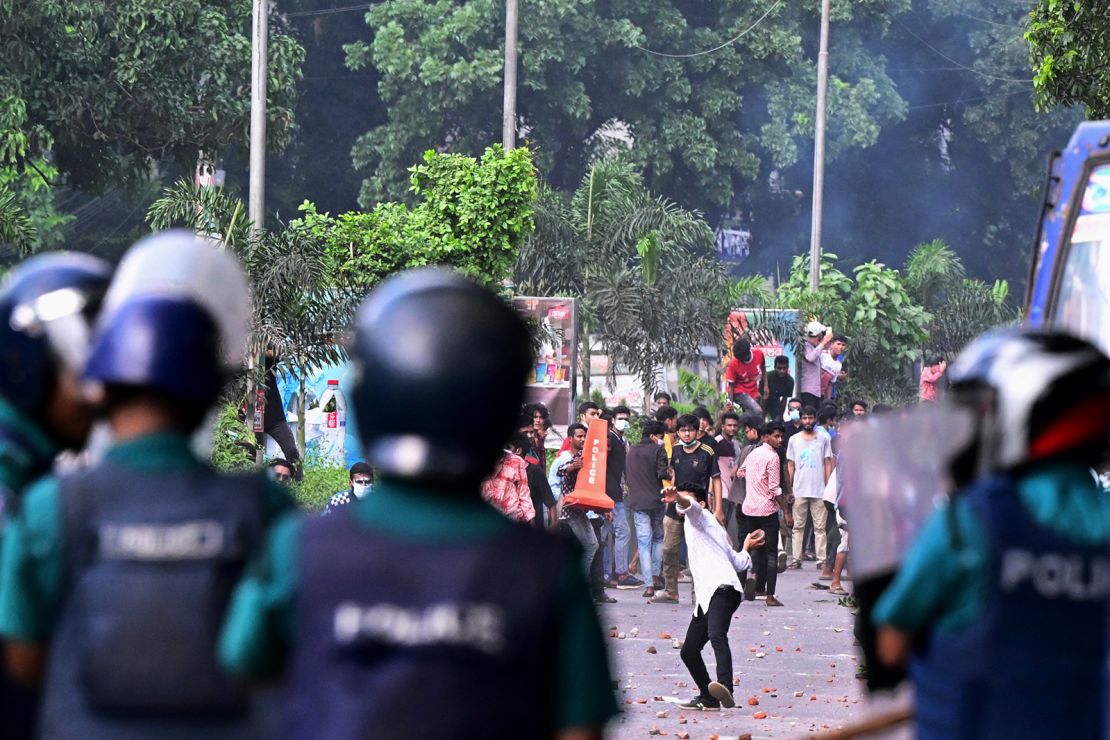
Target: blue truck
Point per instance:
(1069, 278)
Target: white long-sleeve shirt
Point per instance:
(713, 562)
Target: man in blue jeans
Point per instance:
(645, 470)
(614, 472)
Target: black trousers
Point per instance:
(597, 574)
(765, 560)
(711, 627)
(808, 399)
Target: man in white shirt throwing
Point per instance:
(713, 565)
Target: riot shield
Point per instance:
(893, 473)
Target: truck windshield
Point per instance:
(1083, 294)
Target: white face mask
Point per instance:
(621, 425)
(360, 489)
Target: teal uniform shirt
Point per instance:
(260, 624)
(32, 561)
(25, 450)
(944, 588)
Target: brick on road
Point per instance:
(806, 645)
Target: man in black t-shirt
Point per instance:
(780, 388)
(692, 461)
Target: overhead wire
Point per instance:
(328, 11)
(956, 62)
(730, 42)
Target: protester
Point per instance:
(717, 595)
(762, 505)
(662, 399)
(744, 376)
(832, 366)
(360, 480)
(407, 614)
(42, 410)
(809, 364)
(931, 373)
(727, 448)
(809, 463)
(543, 502)
(281, 471)
(859, 408)
(691, 462)
(273, 417)
(614, 488)
(1000, 605)
(507, 488)
(645, 470)
(126, 629)
(763, 501)
(780, 388)
(579, 522)
(587, 412)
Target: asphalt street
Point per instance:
(794, 666)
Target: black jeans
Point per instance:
(597, 575)
(765, 559)
(808, 399)
(711, 627)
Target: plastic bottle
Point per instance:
(333, 430)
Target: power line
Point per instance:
(967, 100)
(731, 41)
(944, 56)
(328, 11)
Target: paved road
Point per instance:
(805, 646)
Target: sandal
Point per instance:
(838, 591)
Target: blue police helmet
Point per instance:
(426, 341)
(47, 305)
(174, 319)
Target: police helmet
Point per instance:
(427, 340)
(1034, 395)
(47, 305)
(175, 319)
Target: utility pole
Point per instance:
(819, 151)
(256, 206)
(260, 22)
(508, 124)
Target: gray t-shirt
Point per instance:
(809, 369)
(808, 456)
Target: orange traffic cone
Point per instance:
(589, 491)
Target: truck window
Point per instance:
(1083, 293)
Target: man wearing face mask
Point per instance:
(614, 473)
(361, 477)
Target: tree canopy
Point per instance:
(111, 88)
(701, 124)
(1069, 46)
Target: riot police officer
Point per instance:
(124, 569)
(420, 611)
(46, 308)
(1000, 603)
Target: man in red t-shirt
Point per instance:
(744, 376)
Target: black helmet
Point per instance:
(1034, 395)
(427, 340)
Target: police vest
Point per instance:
(1032, 664)
(151, 558)
(418, 638)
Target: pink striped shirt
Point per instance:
(761, 475)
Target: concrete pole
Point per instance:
(508, 124)
(259, 35)
(819, 151)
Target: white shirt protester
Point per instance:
(713, 562)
